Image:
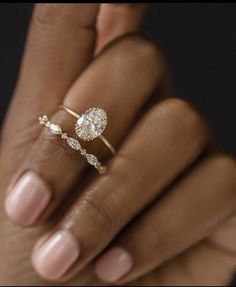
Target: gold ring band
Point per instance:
(100, 136)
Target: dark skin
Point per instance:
(168, 197)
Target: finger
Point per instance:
(115, 20)
(224, 236)
(105, 206)
(60, 45)
(202, 265)
(180, 220)
(121, 85)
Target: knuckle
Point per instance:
(142, 47)
(185, 117)
(227, 165)
(102, 212)
(183, 111)
(140, 51)
(46, 15)
(224, 168)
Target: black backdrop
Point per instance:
(199, 41)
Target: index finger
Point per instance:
(60, 45)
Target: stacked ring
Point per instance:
(73, 143)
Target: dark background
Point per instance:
(199, 41)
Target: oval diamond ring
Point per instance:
(90, 125)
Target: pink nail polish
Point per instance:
(56, 255)
(27, 199)
(113, 265)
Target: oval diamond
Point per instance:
(91, 124)
(55, 129)
(73, 143)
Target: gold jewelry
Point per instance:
(90, 125)
(73, 143)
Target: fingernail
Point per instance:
(113, 265)
(56, 255)
(27, 199)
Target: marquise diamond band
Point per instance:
(72, 143)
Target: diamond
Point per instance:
(73, 143)
(92, 159)
(91, 124)
(55, 129)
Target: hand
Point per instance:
(159, 155)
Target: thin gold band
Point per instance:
(101, 137)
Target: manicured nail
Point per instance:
(113, 265)
(56, 255)
(27, 199)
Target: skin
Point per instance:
(168, 197)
